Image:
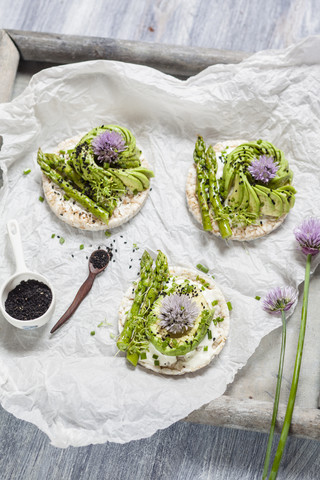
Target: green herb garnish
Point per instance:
(53, 235)
(81, 246)
(26, 172)
(41, 199)
(229, 306)
(202, 268)
(61, 240)
(143, 356)
(92, 333)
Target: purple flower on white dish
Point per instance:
(263, 169)
(107, 146)
(178, 313)
(280, 299)
(308, 236)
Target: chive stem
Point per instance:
(295, 378)
(277, 396)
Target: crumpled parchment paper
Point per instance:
(73, 385)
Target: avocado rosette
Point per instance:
(128, 156)
(256, 179)
(245, 199)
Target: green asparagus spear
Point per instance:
(160, 276)
(138, 341)
(81, 198)
(62, 167)
(211, 164)
(146, 274)
(202, 178)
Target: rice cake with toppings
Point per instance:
(72, 213)
(241, 233)
(198, 358)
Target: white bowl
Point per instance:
(10, 285)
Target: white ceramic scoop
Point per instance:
(22, 274)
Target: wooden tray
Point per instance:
(244, 405)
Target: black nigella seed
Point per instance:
(100, 258)
(28, 300)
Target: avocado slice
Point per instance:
(266, 206)
(253, 204)
(289, 191)
(148, 173)
(227, 179)
(277, 203)
(245, 199)
(143, 179)
(236, 195)
(131, 182)
(179, 344)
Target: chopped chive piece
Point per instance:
(215, 302)
(112, 335)
(53, 235)
(202, 280)
(143, 356)
(66, 197)
(92, 333)
(41, 199)
(205, 349)
(218, 320)
(212, 276)
(107, 233)
(257, 297)
(157, 363)
(81, 246)
(209, 335)
(25, 172)
(61, 240)
(202, 268)
(229, 305)
(155, 356)
(135, 246)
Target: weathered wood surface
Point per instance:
(172, 59)
(9, 59)
(184, 451)
(256, 416)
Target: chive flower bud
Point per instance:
(308, 236)
(107, 147)
(178, 313)
(263, 169)
(279, 299)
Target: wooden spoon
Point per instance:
(98, 261)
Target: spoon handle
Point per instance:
(82, 293)
(15, 239)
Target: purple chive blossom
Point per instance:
(178, 313)
(263, 168)
(279, 299)
(107, 146)
(308, 236)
